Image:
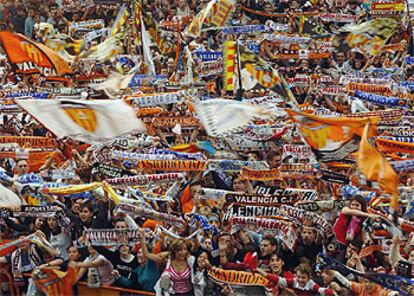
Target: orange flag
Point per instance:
(28, 56)
(377, 168)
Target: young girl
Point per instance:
(348, 225)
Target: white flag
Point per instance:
(87, 121)
(222, 117)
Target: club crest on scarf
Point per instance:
(81, 114)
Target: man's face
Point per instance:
(22, 167)
(340, 58)
(308, 235)
(267, 248)
(121, 225)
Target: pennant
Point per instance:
(27, 56)
(377, 168)
(330, 138)
(86, 121)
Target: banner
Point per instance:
(172, 165)
(229, 53)
(86, 121)
(207, 69)
(111, 237)
(240, 278)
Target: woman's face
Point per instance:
(39, 222)
(238, 185)
(85, 214)
(276, 264)
(52, 223)
(201, 260)
(140, 257)
(302, 279)
(354, 205)
(92, 251)
(182, 253)
(124, 250)
(73, 254)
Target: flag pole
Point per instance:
(240, 89)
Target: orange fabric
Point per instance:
(6, 250)
(20, 49)
(60, 287)
(376, 167)
(186, 195)
(359, 290)
(152, 224)
(36, 159)
(188, 207)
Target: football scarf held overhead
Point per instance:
(288, 234)
(303, 194)
(151, 214)
(381, 100)
(322, 205)
(36, 211)
(109, 171)
(266, 175)
(263, 199)
(330, 138)
(172, 121)
(254, 211)
(110, 237)
(229, 165)
(155, 100)
(32, 142)
(144, 179)
(87, 121)
(392, 282)
(172, 165)
(395, 146)
(241, 278)
(135, 157)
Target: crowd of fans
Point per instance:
(176, 262)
